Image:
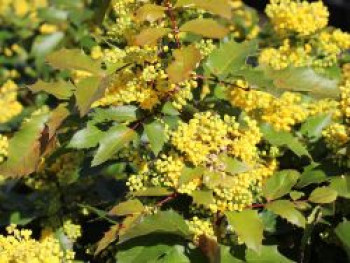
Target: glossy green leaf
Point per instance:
(153, 191)
(132, 206)
(280, 184)
(216, 7)
(323, 195)
(86, 138)
(314, 125)
(119, 114)
(268, 254)
(343, 233)
(311, 175)
(226, 256)
(188, 174)
(248, 226)
(232, 165)
(156, 135)
(112, 141)
(286, 210)
(206, 27)
(203, 197)
(341, 184)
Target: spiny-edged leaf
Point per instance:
(249, 227)
(323, 195)
(305, 80)
(150, 36)
(341, 184)
(255, 77)
(280, 184)
(119, 113)
(311, 175)
(168, 222)
(283, 138)
(86, 138)
(286, 210)
(186, 60)
(188, 174)
(60, 89)
(25, 148)
(73, 59)
(88, 91)
(268, 254)
(314, 125)
(156, 135)
(216, 7)
(232, 165)
(112, 141)
(109, 237)
(343, 233)
(158, 252)
(129, 207)
(229, 57)
(153, 191)
(150, 12)
(203, 197)
(206, 27)
(226, 255)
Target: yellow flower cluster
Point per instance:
(336, 135)
(71, 230)
(200, 227)
(9, 106)
(18, 246)
(205, 47)
(345, 99)
(21, 7)
(4, 144)
(169, 168)
(296, 16)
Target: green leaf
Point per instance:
(186, 60)
(268, 254)
(305, 80)
(216, 7)
(255, 77)
(169, 109)
(280, 184)
(286, 210)
(323, 195)
(248, 226)
(60, 89)
(44, 44)
(226, 256)
(230, 57)
(165, 222)
(282, 138)
(188, 174)
(156, 135)
(314, 125)
(343, 233)
(112, 141)
(311, 175)
(203, 197)
(232, 165)
(73, 59)
(86, 138)
(295, 195)
(153, 191)
(25, 148)
(119, 114)
(132, 206)
(150, 12)
(341, 184)
(206, 27)
(150, 36)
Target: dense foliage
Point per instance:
(173, 131)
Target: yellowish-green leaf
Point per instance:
(150, 36)
(60, 89)
(86, 138)
(129, 207)
(188, 174)
(232, 165)
(203, 197)
(186, 60)
(248, 226)
(150, 12)
(286, 210)
(109, 237)
(268, 254)
(216, 7)
(323, 195)
(153, 191)
(156, 135)
(206, 27)
(341, 184)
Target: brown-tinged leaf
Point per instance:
(186, 60)
(206, 27)
(129, 207)
(60, 89)
(150, 12)
(109, 237)
(150, 36)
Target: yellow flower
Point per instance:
(9, 106)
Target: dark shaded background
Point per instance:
(339, 9)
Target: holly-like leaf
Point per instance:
(341, 184)
(188, 174)
(25, 148)
(129, 207)
(305, 80)
(232, 165)
(60, 89)
(150, 36)
(153, 191)
(186, 60)
(280, 184)
(156, 135)
(112, 141)
(119, 114)
(166, 222)
(311, 175)
(323, 195)
(248, 226)
(255, 77)
(86, 138)
(206, 27)
(150, 12)
(314, 125)
(343, 233)
(286, 210)
(216, 7)
(203, 197)
(73, 59)
(268, 254)
(109, 237)
(229, 58)
(282, 138)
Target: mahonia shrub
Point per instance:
(193, 131)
